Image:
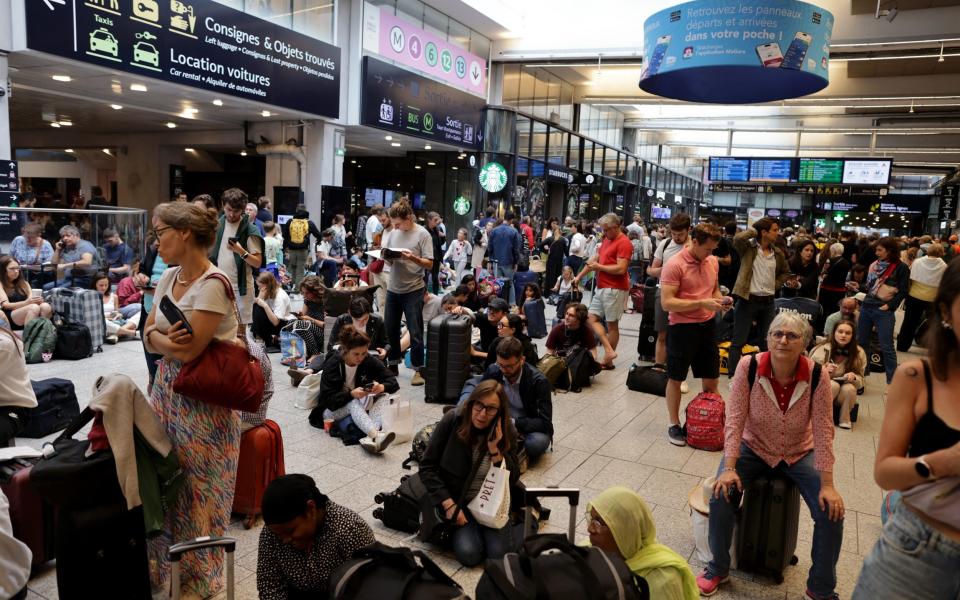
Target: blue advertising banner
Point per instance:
(199, 43)
(735, 52)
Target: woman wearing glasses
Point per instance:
(779, 424)
(511, 326)
(465, 443)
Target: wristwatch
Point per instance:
(923, 469)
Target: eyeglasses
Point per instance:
(489, 409)
(158, 231)
(791, 336)
(503, 325)
(595, 522)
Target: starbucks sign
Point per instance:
(493, 177)
(461, 206)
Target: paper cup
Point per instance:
(327, 424)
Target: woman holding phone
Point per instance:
(205, 437)
(465, 443)
(16, 298)
(845, 362)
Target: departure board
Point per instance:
(867, 172)
(771, 169)
(820, 170)
(724, 168)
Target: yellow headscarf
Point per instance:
(629, 519)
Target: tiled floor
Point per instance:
(607, 435)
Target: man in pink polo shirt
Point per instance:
(690, 293)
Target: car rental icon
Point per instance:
(146, 53)
(102, 40)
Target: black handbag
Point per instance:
(647, 380)
(73, 341)
(387, 573)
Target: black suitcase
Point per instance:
(448, 358)
(56, 406)
(176, 552)
(73, 341)
(381, 572)
(767, 536)
(647, 343)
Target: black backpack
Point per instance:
(385, 573)
(410, 509)
(418, 447)
(73, 341)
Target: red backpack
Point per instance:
(705, 422)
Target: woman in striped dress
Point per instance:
(205, 437)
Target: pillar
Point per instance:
(324, 166)
(5, 150)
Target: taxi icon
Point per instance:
(101, 40)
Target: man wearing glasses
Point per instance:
(531, 404)
(74, 259)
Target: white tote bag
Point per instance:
(397, 416)
(491, 506)
(308, 392)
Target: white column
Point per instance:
(5, 151)
(324, 167)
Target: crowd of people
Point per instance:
(817, 306)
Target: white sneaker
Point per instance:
(684, 388)
(845, 425)
(112, 339)
(368, 445)
(384, 439)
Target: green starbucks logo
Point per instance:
(461, 206)
(493, 177)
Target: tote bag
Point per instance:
(308, 392)
(491, 506)
(293, 347)
(397, 416)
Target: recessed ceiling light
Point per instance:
(265, 113)
(454, 168)
(106, 151)
(395, 144)
(462, 156)
(189, 150)
(171, 125)
(55, 125)
(63, 78)
(416, 166)
(138, 87)
(353, 162)
(69, 150)
(115, 106)
(431, 164)
(243, 153)
(66, 123)
(389, 138)
(428, 147)
(218, 102)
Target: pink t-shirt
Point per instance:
(695, 280)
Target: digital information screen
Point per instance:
(866, 172)
(724, 168)
(771, 169)
(373, 197)
(820, 170)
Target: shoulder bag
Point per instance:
(225, 374)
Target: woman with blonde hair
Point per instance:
(925, 275)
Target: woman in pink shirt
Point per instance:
(779, 424)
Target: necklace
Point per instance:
(188, 281)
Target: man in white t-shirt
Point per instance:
(238, 250)
(578, 248)
(373, 225)
(678, 239)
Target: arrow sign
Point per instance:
(378, 78)
(390, 81)
(50, 3)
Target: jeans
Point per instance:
(298, 264)
(914, 312)
(435, 276)
(507, 273)
(910, 560)
(744, 314)
(827, 534)
(130, 310)
(409, 305)
(536, 444)
(473, 542)
(871, 316)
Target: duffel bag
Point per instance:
(647, 380)
(73, 342)
(56, 407)
(387, 573)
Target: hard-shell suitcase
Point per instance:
(536, 320)
(80, 306)
(261, 461)
(767, 536)
(31, 517)
(56, 406)
(448, 358)
(176, 552)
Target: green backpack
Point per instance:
(39, 336)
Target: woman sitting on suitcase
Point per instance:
(620, 523)
(465, 443)
(305, 538)
(844, 361)
(779, 424)
(351, 376)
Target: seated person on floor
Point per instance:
(117, 326)
(621, 524)
(487, 322)
(74, 259)
(271, 310)
(16, 296)
(529, 395)
(473, 301)
(572, 332)
(349, 277)
(361, 316)
(845, 362)
(531, 292)
(16, 392)
(849, 310)
(462, 295)
(465, 443)
(350, 385)
(305, 537)
(511, 326)
(130, 291)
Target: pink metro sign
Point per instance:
(398, 40)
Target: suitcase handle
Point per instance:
(176, 552)
(571, 494)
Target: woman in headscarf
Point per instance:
(621, 523)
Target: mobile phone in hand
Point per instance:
(368, 387)
(173, 313)
(233, 240)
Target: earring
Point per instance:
(946, 324)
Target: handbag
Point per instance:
(308, 392)
(938, 500)
(225, 374)
(293, 347)
(647, 380)
(376, 266)
(491, 506)
(397, 417)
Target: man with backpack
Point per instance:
(691, 294)
(296, 241)
(678, 239)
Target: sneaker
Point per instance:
(812, 596)
(368, 445)
(684, 388)
(845, 425)
(676, 436)
(417, 379)
(111, 339)
(296, 376)
(709, 584)
(384, 439)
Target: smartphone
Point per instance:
(659, 52)
(173, 313)
(770, 54)
(233, 240)
(797, 51)
(368, 387)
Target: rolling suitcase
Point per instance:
(536, 320)
(261, 461)
(647, 342)
(448, 358)
(83, 307)
(31, 517)
(56, 407)
(176, 552)
(767, 536)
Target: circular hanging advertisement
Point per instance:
(461, 206)
(493, 177)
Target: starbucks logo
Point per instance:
(493, 177)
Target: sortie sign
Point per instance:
(199, 43)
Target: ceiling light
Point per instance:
(115, 106)
(395, 144)
(389, 138)
(266, 113)
(138, 87)
(218, 102)
(353, 162)
(106, 151)
(62, 78)
(66, 123)
(416, 166)
(428, 147)
(171, 125)
(431, 164)
(454, 168)
(69, 150)
(55, 125)
(243, 153)
(189, 150)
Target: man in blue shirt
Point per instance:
(503, 247)
(119, 256)
(74, 259)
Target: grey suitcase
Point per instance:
(448, 358)
(176, 552)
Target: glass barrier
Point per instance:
(34, 252)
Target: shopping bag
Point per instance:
(397, 416)
(308, 392)
(491, 506)
(292, 347)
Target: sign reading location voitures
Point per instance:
(199, 43)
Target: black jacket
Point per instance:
(333, 397)
(305, 244)
(448, 464)
(375, 330)
(529, 351)
(537, 397)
